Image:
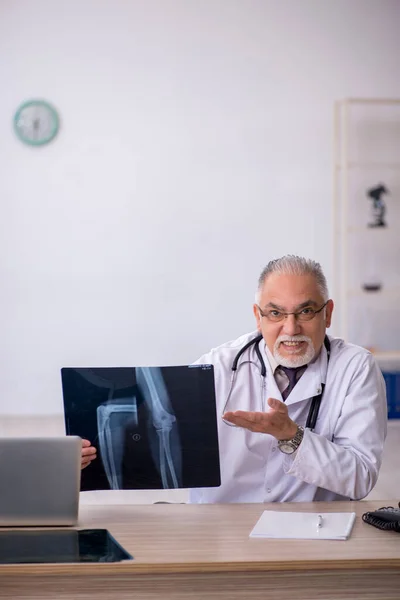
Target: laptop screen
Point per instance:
(153, 427)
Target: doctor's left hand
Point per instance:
(88, 453)
(276, 421)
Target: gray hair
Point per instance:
(295, 265)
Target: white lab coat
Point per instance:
(339, 460)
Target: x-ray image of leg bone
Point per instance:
(113, 416)
(153, 427)
(165, 446)
(111, 420)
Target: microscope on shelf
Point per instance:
(378, 205)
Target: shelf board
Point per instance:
(372, 100)
(383, 292)
(367, 230)
(388, 355)
(368, 165)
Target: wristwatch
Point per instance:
(290, 446)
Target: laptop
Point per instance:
(153, 427)
(40, 481)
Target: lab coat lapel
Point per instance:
(272, 390)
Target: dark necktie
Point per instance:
(293, 374)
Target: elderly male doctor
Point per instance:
(267, 452)
(275, 445)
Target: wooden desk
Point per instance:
(189, 552)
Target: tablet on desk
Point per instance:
(153, 427)
(60, 546)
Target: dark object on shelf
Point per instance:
(378, 206)
(372, 287)
(60, 546)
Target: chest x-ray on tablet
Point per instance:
(153, 427)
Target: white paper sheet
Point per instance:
(300, 525)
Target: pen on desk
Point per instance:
(319, 522)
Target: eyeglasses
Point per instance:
(305, 314)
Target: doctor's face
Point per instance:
(293, 340)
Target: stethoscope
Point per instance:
(316, 400)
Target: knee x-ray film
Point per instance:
(153, 427)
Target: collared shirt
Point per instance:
(282, 380)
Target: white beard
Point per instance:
(295, 360)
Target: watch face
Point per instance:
(286, 448)
(36, 122)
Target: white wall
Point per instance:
(196, 145)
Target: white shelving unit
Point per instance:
(367, 154)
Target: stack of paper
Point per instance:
(307, 526)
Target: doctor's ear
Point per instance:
(257, 316)
(329, 311)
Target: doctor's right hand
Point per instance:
(276, 421)
(88, 453)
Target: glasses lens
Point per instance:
(306, 316)
(274, 316)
